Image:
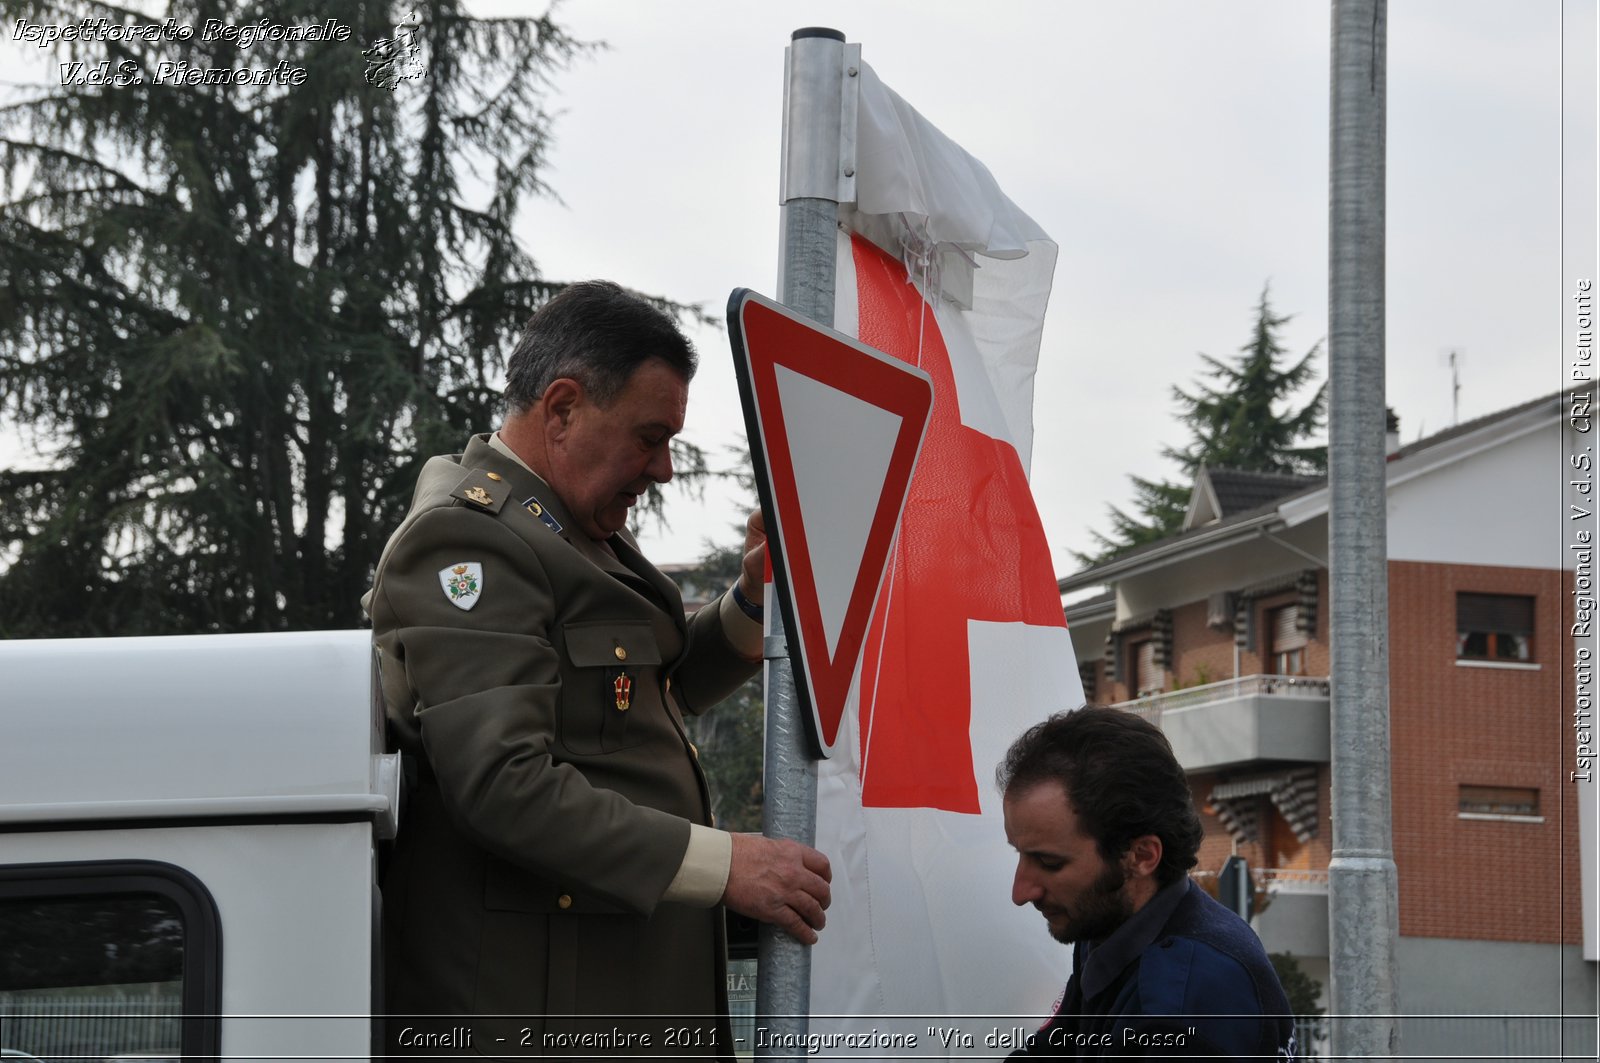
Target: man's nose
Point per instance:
(660, 467)
(1024, 890)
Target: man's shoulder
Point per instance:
(452, 490)
(463, 505)
(1203, 919)
(1208, 965)
(1181, 975)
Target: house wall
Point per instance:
(1494, 494)
(1202, 654)
(1311, 855)
(1443, 977)
(1451, 725)
(1476, 1000)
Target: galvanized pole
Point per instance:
(815, 72)
(1363, 912)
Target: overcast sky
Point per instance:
(1175, 149)
(1177, 152)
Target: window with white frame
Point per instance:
(1494, 627)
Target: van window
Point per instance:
(98, 961)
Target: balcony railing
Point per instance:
(1275, 879)
(1237, 722)
(1290, 686)
(1291, 880)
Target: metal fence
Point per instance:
(73, 1028)
(1311, 1036)
(1448, 1038)
(1472, 1038)
(742, 1005)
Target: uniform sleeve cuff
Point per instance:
(703, 877)
(743, 633)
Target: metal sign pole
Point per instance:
(1362, 895)
(814, 95)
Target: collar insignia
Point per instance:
(535, 507)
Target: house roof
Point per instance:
(1102, 606)
(1220, 491)
(1233, 522)
(1558, 399)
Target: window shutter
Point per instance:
(1287, 633)
(1511, 614)
(1149, 674)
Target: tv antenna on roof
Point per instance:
(1454, 359)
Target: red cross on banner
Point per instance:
(835, 427)
(971, 547)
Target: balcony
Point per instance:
(1296, 918)
(1240, 721)
(1291, 908)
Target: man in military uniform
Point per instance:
(556, 865)
(1099, 811)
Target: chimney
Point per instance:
(1391, 438)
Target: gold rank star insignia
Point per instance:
(479, 495)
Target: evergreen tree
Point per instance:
(1303, 993)
(1245, 421)
(732, 737)
(236, 317)
(1160, 503)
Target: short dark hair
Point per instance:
(1121, 777)
(596, 333)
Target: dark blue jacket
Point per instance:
(1184, 977)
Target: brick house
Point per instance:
(1219, 634)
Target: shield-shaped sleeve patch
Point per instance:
(462, 583)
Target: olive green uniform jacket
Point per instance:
(554, 783)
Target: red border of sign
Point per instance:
(764, 336)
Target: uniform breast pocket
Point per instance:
(610, 696)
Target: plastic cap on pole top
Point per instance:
(816, 31)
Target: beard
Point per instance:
(1102, 909)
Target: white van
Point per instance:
(188, 840)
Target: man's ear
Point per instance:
(1143, 856)
(557, 404)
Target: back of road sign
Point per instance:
(835, 428)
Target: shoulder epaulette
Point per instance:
(482, 490)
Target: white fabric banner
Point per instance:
(968, 646)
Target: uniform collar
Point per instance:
(618, 554)
(1101, 962)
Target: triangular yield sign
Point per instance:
(834, 430)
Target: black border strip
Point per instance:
(220, 820)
